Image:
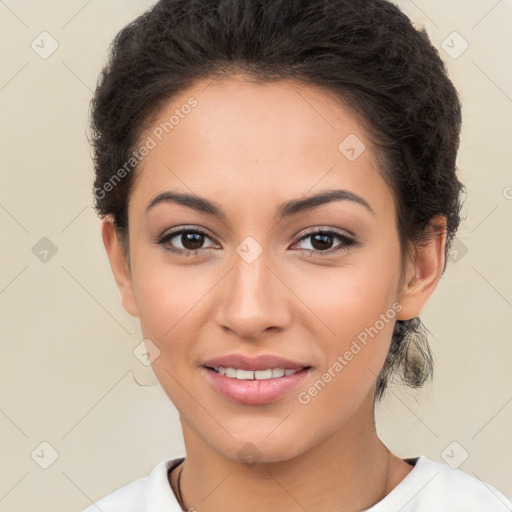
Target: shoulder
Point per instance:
(148, 493)
(130, 498)
(462, 491)
(435, 486)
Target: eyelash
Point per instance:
(347, 242)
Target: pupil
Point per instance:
(325, 241)
(192, 241)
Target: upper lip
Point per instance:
(262, 362)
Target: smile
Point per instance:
(254, 387)
(237, 373)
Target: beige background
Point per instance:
(68, 374)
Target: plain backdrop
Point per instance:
(80, 415)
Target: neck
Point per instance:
(350, 470)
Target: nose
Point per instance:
(253, 300)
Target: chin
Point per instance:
(259, 448)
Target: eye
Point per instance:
(185, 242)
(322, 241)
(190, 242)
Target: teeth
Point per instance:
(230, 372)
(263, 374)
(271, 373)
(244, 375)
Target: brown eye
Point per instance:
(322, 242)
(185, 241)
(192, 240)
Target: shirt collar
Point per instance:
(160, 496)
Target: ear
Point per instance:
(423, 274)
(119, 265)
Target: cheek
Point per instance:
(167, 295)
(354, 349)
(169, 298)
(352, 296)
(355, 309)
(357, 342)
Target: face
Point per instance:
(317, 285)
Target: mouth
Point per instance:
(266, 374)
(254, 387)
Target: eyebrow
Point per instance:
(287, 209)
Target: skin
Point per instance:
(250, 147)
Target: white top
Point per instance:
(429, 487)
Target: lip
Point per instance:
(262, 362)
(254, 392)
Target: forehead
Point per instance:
(251, 139)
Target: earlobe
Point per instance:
(424, 273)
(119, 265)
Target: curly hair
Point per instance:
(365, 52)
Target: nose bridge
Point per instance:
(253, 299)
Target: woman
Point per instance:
(277, 185)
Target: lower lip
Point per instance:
(254, 392)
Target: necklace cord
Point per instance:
(180, 498)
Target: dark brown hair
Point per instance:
(366, 52)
